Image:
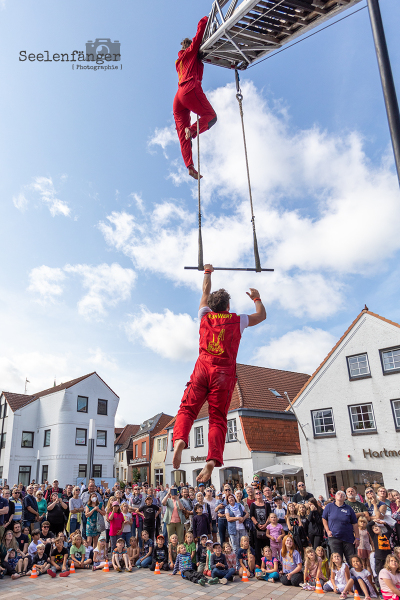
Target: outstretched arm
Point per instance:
(260, 314)
(206, 286)
(198, 38)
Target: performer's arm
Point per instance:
(198, 38)
(206, 286)
(260, 314)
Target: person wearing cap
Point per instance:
(149, 512)
(160, 555)
(219, 567)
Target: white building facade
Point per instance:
(45, 436)
(350, 410)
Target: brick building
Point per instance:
(260, 430)
(120, 458)
(136, 451)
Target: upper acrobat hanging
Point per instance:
(190, 96)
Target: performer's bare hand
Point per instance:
(209, 268)
(253, 293)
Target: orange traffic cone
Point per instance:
(318, 588)
(72, 568)
(356, 595)
(245, 578)
(157, 569)
(34, 574)
(106, 568)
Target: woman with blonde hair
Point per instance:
(389, 578)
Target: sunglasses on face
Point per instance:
(258, 493)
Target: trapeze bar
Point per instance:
(229, 269)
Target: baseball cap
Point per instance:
(202, 485)
(102, 537)
(115, 503)
(203, 536)
(209, 542)
(216, 544)
(160, 537)
(148, 496)
(219, 494)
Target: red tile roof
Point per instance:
(363, 312)
(20, 400)
(126, 433)
(17, 401)
(270, 435)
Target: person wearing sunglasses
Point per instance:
(259, 513)
(42, 505)
(302, 495)
(16, 499)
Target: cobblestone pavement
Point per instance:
(142, 585)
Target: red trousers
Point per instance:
(187, 101)
(215, 384)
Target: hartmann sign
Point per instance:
(381, 454)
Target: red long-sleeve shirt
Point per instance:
(188, 66)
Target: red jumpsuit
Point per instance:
(190, 96)
(213, 379)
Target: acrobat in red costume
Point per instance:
(214, 375)
(190, 96)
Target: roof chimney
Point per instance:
(365, 308)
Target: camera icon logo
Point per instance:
(102, 47)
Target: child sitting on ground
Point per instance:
(219, 566)
(246, 557)
(145, 552)
(191, 547)
(78, 553)
(202, 554)
(11, 562)
(340, 574)
(40, 559)
(133, 551)
(100, 554)
(88, 551)
(160, 555)
(173, 550)
(59, 559)
(183, 564)
(34, 543)
(230, 556)
(269, 566)
(120, 556)
(325, 572)
(312, 569)
(360, 580)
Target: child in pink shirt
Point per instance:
(276, 534)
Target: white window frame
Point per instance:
(391, 360)
(357, 366)
(144, 448)
(352, 413)
(231, 432)
(198, 436)
(159, 445)
(314, 415)
(396, 412)
(164, 443)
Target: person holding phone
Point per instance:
(174, 517)
(56, 514)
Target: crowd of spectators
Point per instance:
(343, 543)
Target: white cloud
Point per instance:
(106, 284)
(119, 420)
(138, 200)
(163, 137)
(98, 359)
(46, 282)
(20, 202)
(301, 350)
(45, 187)
(169, 335)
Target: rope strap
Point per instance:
(239, 98)
(200, 257)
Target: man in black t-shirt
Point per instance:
(302, 495)
(21, 538)
(150, 513)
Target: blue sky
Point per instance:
(98, 216)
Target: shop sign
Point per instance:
(198, 458)
(374, 454)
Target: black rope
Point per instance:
(239, 98)
(200, 258)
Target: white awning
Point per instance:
(281, 469)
